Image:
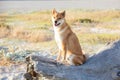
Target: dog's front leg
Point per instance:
(64, 51)
(59, 55)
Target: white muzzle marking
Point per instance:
(59, 22)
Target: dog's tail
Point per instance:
(85, 55)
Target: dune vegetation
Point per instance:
(93, 28)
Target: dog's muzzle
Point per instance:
(56, 23)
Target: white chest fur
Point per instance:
(59, 36)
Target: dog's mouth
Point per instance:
(57, 24)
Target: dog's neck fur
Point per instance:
(63, 30)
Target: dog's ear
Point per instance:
(63, 13)
(54, 11)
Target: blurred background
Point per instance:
(30, 5)
(26, 27)
(27, 23)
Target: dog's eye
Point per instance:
(59, 18)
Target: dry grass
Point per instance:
(97, 16)
(92, 38)
(22, 33)
(40, 19)
(42, 34)
(4, 30)
(31, 35)
(4, 61)
(43, 18)
(109, 19)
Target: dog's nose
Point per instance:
(55, 21)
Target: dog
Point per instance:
(70, 51)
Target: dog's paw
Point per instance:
(65, 62)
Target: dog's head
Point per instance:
(58, 18)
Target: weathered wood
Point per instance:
(103, 66)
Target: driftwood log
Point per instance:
(105, 65)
